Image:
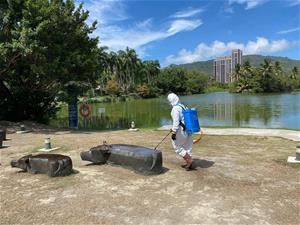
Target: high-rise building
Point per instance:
(224, 66)
(223, 69)
(236, 57)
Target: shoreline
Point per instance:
(293, 135)
(283, 133)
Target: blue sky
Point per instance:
(187, 31)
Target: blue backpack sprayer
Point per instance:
(191, 122)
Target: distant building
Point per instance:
(236, 57)
(223, 69)
(224, 66)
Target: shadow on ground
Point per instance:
(4, 146)
(164, 169)
(202, 163)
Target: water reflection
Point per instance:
(215, 109)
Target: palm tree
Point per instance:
(151, 69)
(132, 62)
(295, 73)
(103, 67)
(237, 72)
(266, 72)
(247, 71)
(277, 68)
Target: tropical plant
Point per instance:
(112, 87)
(267, 78)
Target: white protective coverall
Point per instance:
(184, 142)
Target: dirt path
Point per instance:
(239, 180)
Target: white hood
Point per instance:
(173, 99)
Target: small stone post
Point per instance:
(47, 144)
(22, 127)
(298, 152)
(293, 159)
(2, 136)
(132, 125)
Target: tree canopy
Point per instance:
(269, 77)
(45, 48)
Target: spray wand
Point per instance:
(163, 139)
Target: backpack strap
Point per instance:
(180, 122)
(182, 106)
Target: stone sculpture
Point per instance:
(51, 164)
(142, 160)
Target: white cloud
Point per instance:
(140, 34)
(250, 4)
(105, 11)
(136, 35)
(294, 2)
(288, 31)
(228, 9)
(218, 48)
(183, 25)
(187, 13)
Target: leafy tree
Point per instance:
(172, 80)
(45, 49)
(196, 82)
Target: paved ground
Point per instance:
(288, 134)
(239, 180)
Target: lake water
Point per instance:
(218, 109)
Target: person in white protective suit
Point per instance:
(181, 141)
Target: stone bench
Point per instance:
(142, 160)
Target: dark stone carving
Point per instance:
(143, 160)
(3, 134)
(51, 164)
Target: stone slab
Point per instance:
(23, 132)
(48, 150)
(133, 129)
(292, 159)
